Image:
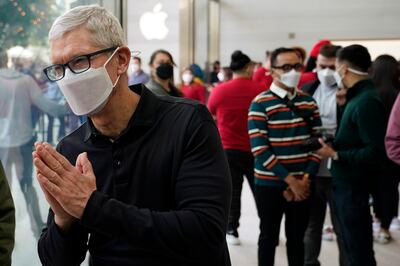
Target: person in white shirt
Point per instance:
(18, 93)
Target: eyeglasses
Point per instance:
(77, 65)
(288, 67)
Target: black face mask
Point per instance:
(165, 71)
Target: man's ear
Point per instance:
(124, 58)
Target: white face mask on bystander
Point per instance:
(326, 77)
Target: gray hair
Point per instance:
(105, 29)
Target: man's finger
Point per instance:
(61, 159)
(42, 168)
(322, 142)
(50, 187)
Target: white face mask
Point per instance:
(291, 79)
(326, 77)
(339, 79)
(220, 76)
(87, 93)
(187, 78)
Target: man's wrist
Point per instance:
(63, 224)
(335, 156)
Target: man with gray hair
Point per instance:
(144, 181)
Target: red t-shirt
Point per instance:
(306, 78)
(263, 76)
(230, 103)
(194, 91)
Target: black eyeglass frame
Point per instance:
(289, 67)
(87, 56)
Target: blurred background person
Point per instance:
(7, 220)
(225, 74)
(306, 77)
(229, 102)
(263, 74)
(138, 76)
(162, 74)
(385, 75)
(311, 61)
(191, 89)
(198, 74)
(18, 93)
(213, 76)
(54, 94)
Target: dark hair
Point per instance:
(239, 60)
(385, 75)
(311, 64)
(356, 55)
(301, 52)
(329, 50)
(161, 51)
(138, 58)
(278, 51)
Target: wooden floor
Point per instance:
(246, 253)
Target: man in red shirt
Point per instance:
(263, 75)
(229, 102)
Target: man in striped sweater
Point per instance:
(280, 119)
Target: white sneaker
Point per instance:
(328, 234)
(232, 238)
(395, 225)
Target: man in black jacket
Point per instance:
(145, 181)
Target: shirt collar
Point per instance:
(282, 93)
(144, 115)
(359, 87)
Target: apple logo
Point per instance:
(152, 24)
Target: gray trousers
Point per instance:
(321, 195)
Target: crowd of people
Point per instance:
(264, 116)
(155, 179)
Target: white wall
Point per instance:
(136, 40)
(257, 25)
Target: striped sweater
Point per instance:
(276, 134)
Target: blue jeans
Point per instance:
(355, 224)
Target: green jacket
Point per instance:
(7, 221)
(360, 138)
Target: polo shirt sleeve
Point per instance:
(194, 231)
